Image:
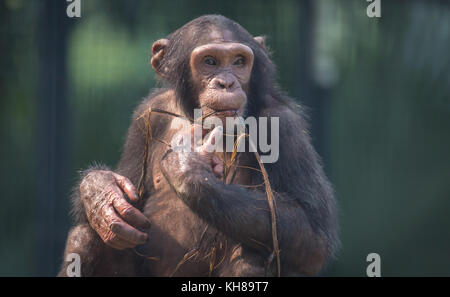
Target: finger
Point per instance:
(216, 160)
(214, 135)
(127, 186)
(196, 135)
(217, 166)
(120, 244)
(211, 138)
(198, 129)
(218, 170)
(128, 233)
(181, 142)
(130, 214)
(109, 234)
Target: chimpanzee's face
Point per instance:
(221, 71)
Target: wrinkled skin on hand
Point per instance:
(109, 213)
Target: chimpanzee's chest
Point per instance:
(180, 242)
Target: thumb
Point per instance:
(211, 139)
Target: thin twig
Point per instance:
(148, 136)
(186, 258)
(272, 205)
(147, 257)
(212, 261)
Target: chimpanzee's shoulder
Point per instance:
(162, 98)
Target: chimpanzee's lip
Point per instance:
(226, 113)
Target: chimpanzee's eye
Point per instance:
(210, 61)
(239, 61)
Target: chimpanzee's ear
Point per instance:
(261, 40)
(158, 52)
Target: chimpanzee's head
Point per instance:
(214, 64)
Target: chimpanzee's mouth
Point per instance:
(219, 111)
(225, 113)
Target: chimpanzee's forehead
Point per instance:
(218, 34)
(221, 35)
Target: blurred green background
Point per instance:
(378, 90)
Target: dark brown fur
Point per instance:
(227, 225)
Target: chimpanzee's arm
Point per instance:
(306, 215)
(97, 192)
(96, 257)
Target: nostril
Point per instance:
(220, 84)
(224, 84)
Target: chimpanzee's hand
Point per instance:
(181, 166)
(109, 213)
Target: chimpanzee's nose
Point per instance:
(223, 83)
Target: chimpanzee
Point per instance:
(189, 220)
